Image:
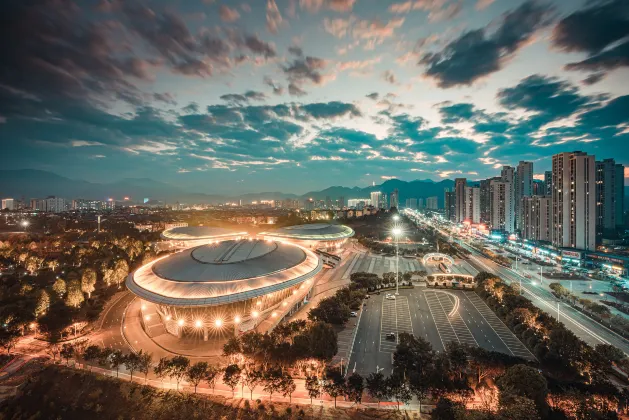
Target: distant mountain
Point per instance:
(29, 183)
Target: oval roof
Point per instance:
(226, 272)
(190, 233)
(313, 232)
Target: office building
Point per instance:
(536, 216)
(375, 198)
(574, 201)
(432, 203)
(395, 198)
(501, 212)
(450, 206)
(472, 205)
(523, 186)
(8, 204)
(609, 196)
(548, 182)
(459, 190)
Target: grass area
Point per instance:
(56, 392)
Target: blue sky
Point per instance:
(242, 96)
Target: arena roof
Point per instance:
(312, 232)
(193, 233)
(222, 273)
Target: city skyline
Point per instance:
(233, 97)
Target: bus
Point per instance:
(444, 268)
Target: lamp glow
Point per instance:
(236, 319)
(254, 314)
(197, 323)
(397, 231)
(180, 322)
(218, 322)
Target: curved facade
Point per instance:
(191, 236)
(313, 236)
(226, 283)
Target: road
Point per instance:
(583, 326)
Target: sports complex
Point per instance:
(222, 280)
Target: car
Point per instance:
(390, 336)
(353, 314)
(367, 296)
(390, 297)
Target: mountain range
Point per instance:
(29, 183)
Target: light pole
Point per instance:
(396, 233)
(541, 279)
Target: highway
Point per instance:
(581, 325)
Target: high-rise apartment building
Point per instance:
(459, 190)
(472, 205)
(8, 204)
(432, 203)
(610, 195)
(450, 205)
(420, 203)
(485, 199)
(536, 216)
(574, 201)
(411, 203)
(375, 198)
(395, 198)
(502, 213)
(523, 186)
(341, 202)
(539, 188)
(548, 181)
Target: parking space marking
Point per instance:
(439, 315)
(463, 332)
(372, 263)
(395, 318)
(513, 344)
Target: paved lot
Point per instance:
(439, 316)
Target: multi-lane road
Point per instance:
(583, 326)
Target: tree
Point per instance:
(211, 375)
(251, 378)
(377, 386)
(232, 348)
(92, 353)
(59, 287)
(287, 386)
(354, 388)
(88, 281)
(67, 351)
(121, 271)
(446, 409)
(75, 296)
(272, 381)
(177, 368)
(323, 341)
(196, 373)
(330, 310)
(524, 381)
(9, 338)
(313, 386)
(42, 304)
(334, 384)
(515, 407)
(144, 363)
(231, 376)
(399, 389)
(132, 363)
(161, 369)
(115, 359)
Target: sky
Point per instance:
(220, 96)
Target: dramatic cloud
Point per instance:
(438, 9)
(601, 31)
(237, 99)
(305, 70)
(369, 32)
(313, 6)
(228, 14)
(273, 17)
(477, 53)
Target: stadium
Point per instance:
(232, 284)
(314, 236)
(191, 236)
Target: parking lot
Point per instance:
(439, 316)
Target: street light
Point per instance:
(396, 233)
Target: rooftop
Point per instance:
(190, 233)
(225, 272)
(315, 231)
